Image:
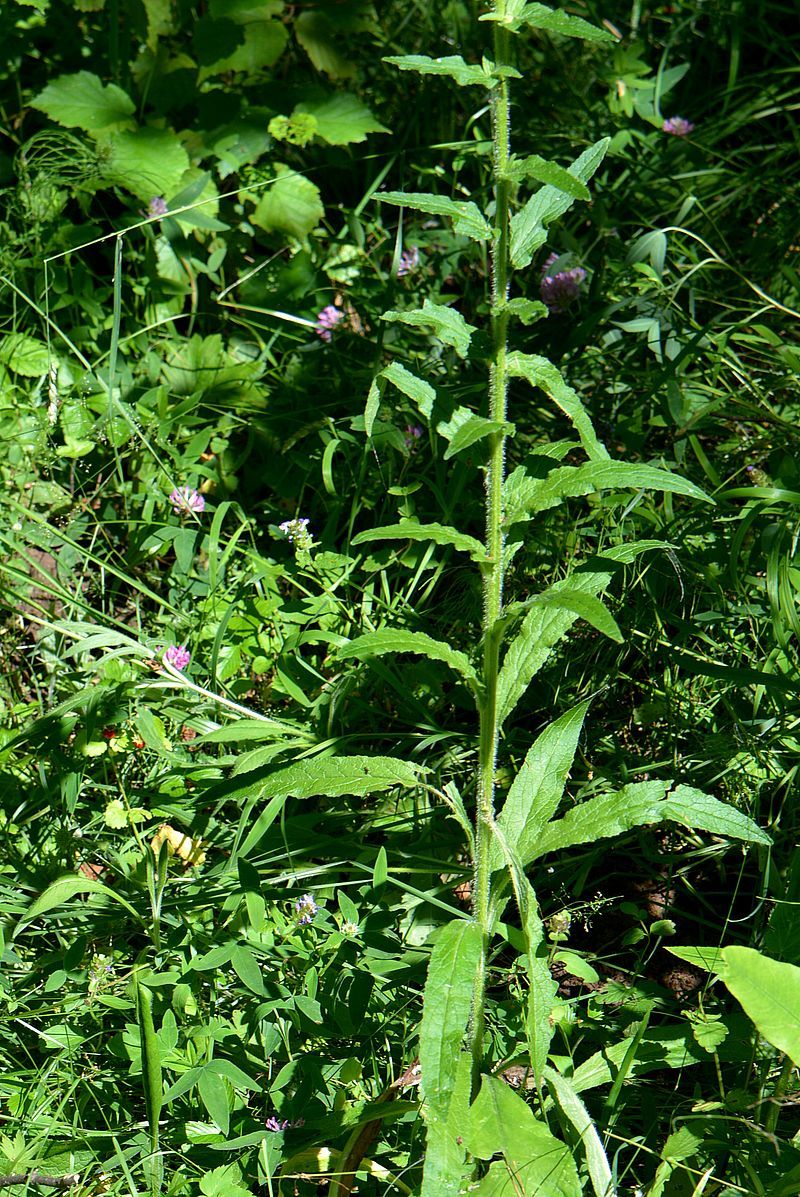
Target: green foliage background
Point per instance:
(147, 348)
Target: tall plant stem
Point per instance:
(493, 569)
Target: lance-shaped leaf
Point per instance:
(540, 372)
(769, 992)
(472, 430)
(446, 1006)
(438, 533)
(373, 404)
(445, 323)
(529, 226)
(539, 16)
(419, 391)
(452, 65)
(642, 804)
(537, 789)
(585, 606)
(542, 988)
(396, 640)
(702, 812)
(444, 1147)
(635, 805)
(525, 496)
(63, 890)
(336, 775)
(466, 216)
(576, 1113)
(534, 167)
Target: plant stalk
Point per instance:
(493, 569)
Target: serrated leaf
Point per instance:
(452, 65)
(24, 355)
(145, 162)
(391, 640)
(342, 119)
(338, 775)
(769, 992)
(83, 101)
(292, 204)
(540, 372)
(438, 533)
(115, 816)
(635, 805)
(539, 16)
(466, 216)
(446, 323)
(700, 811)
(537, 789)
(64, 890)
(529, 311)
(586, 606)
(525, 496)
(534, 167)
(476, 428)
(446, 1007)
(529, 226)
(419, 391)
(544, 627)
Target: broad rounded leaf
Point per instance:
(342, 119)
(292, 205)
(83, 101)
(769, 992)
(24, 355)
(147, 162)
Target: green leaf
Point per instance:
(711, 959)
(769, 992)
(446, 323)
(446, 1007)
(585, 606)
(82, 101)
(529, 311)
(292, 205)
(544, 627)
(390, 640)
(64, 890)
(419, 391)
(438, 533)
(334, 776)
(700, 811)
(342, 119)
(224, 1182)
(536, 791)
(534, 167)
(246, 967)
(373, 405)
(466, 216)
(263, 42)
(528, 227)
(215, 1097)
(444, 1148)
(540, 372)
(24, 355)
(525, 496)
(473, 429)
(145, 162)
(534, 1161)
(151, 1058)
(635, 805)
(539, 16)
(576, 1113)
(452, 65)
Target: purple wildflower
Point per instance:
(186, 500)
(177, 655)
(157, 207)
(327, 320)
(560, 289)
(305, 908)
(678, 126)
(282, 1124)
(409, 261)
(413, 433)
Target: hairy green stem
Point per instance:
(493, 569)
